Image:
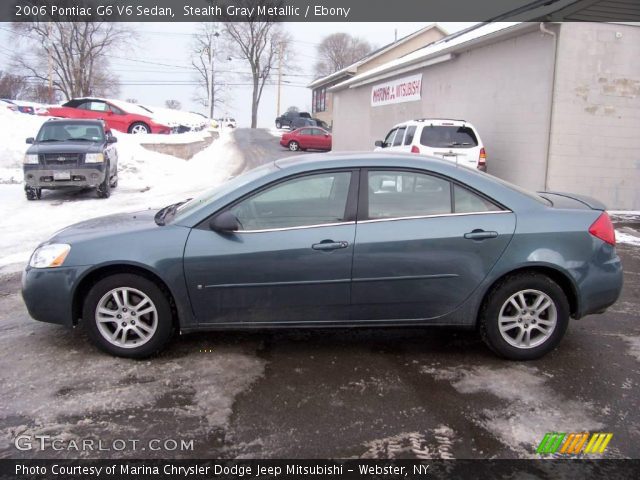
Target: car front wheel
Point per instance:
(524, 317)
(294, 146)
(128, 316)
(278, 125)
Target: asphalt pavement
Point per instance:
(386, 393)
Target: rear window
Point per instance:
(446, 136)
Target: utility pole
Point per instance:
(281, 50)
(50, 65)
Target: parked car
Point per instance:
(286, 119)
(455, 140)
(179, 121)
(19, 106)
(300, 122)
(8, 106)
(71, 153)
(228, 122)
(308, 138)
(319, 242)
(121, 116)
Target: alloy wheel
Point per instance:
(527, 319)
(126, 317)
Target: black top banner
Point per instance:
(317, 10)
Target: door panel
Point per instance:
(424, 267)
(276, 276)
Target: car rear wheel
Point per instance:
(128, 316)
(139, 128)
(524, 317)
(294, 146)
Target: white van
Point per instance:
(454, 140)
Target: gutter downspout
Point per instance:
(545, 30)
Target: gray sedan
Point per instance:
(335, 241)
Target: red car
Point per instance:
(121, 116)
(313, 138)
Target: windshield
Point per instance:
(209, 196)
(63, 132)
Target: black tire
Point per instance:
(104, 189)
(278, 125)
(31, 193)
(138, 128)
(164, 328)
(294, 146)
(38, 193)
(498, 298)
(114, 181)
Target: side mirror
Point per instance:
(378, 143)
(224, 223)
(112, 139)
(31, 140)
(326, 134)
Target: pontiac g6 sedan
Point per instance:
(341, 241)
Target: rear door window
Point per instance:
(448, 136)
(408, 137)
(399, 194)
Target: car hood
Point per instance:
(64, 147)
(106, 226)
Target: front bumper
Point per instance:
(48, 293)
(43, 177)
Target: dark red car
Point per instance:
(122, 116)
(312, 138)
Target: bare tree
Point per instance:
(132, 100)
(71, 56)
(265, 46)
(338, 51)
(173, 104)
(293, 109)
(12, 86)
(204, 54)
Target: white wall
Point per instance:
(504, 89)
(595, 141)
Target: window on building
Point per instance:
(320, 99)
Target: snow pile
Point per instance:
(15, 128)
(147, 180)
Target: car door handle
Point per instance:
(479, 234)
(329, 245)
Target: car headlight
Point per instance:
(31, 159)
(94, 158)
(48, 256)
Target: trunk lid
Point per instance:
(572, 201)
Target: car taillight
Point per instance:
(415, 149)
(602, 228)
(482, 160)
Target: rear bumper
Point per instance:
(43, 177)
(600, 289)
(48, 293)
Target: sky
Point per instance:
(156, 67)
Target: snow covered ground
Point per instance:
(146, 180)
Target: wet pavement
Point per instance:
(386, 393)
